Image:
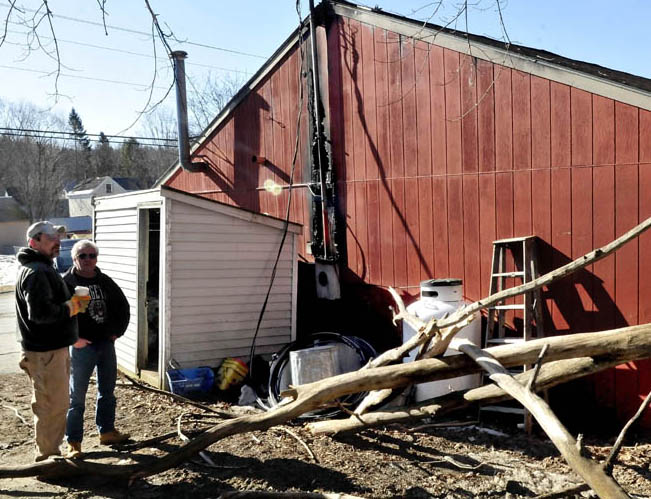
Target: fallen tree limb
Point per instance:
(608, 463)
(550, 375)
(593, 474)
(433, 327)
(179, 398)
(626, 343)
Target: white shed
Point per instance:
(196, 273)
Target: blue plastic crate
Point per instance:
(186, 381)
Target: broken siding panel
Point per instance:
(118, 254)
(227, 293)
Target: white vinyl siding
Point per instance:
(215, 266)
(116, 235)
(220, 269)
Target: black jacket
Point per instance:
(43, 317)
(108, 311)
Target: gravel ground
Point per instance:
(392, 461)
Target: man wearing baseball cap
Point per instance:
(45, 311)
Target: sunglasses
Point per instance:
(83, 256)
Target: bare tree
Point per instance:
(33, 161)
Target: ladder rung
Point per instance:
(508, 274)
(505, 341)
(497, 408)
(516, 306)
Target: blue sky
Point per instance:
(108, 87)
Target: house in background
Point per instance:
(80, 197)
(439, 144)
(13, 225)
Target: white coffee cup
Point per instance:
(82, 291)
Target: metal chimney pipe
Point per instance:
(178, 56)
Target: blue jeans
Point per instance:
(100, 354)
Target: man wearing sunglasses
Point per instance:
(46, 314)
(105, 320)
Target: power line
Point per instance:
(66, 75)
(52, 137)
(33, 130)
(136, 32)
(122, 51)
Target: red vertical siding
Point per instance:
(626, 264)
(438, 154)
(644, 285)
(486, 154)
(603, 183)
(561, 181)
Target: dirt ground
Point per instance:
(394, 461)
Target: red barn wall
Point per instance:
(437, 154)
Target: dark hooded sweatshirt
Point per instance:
(108, 311)
(44, 320)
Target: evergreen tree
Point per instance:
(83, 166)
(132, 158)
(105, 160)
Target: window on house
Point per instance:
(109, 188)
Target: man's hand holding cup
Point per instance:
(79, 301)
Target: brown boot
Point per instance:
(113, 437)
(73, 450)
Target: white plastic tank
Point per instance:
(437, 298)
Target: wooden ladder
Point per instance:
(515, 259)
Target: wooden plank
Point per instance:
(486, 116)
(561, 202)
(486, 181)
(426, 233)
(540, 163)
(384, 156)
(361, 228)
(582, 242)
(410, 154)
(414, 254)
(437, 110)
(441, 244)
(452, 111)
(371, 160)
(626, 259)
(522, 202)
(603, 226)
(468, 89)
(397, 168)
(503, 153)
(401, 277)
(455, 226)
(487, 228)
(471, 245)
(348, 167)
(644, 305)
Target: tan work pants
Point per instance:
(49, 373)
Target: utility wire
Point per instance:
(55, 132)
(65, 75)
(58, 137)
(121, 51)
(136, 32)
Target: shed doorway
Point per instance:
(148, 294)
